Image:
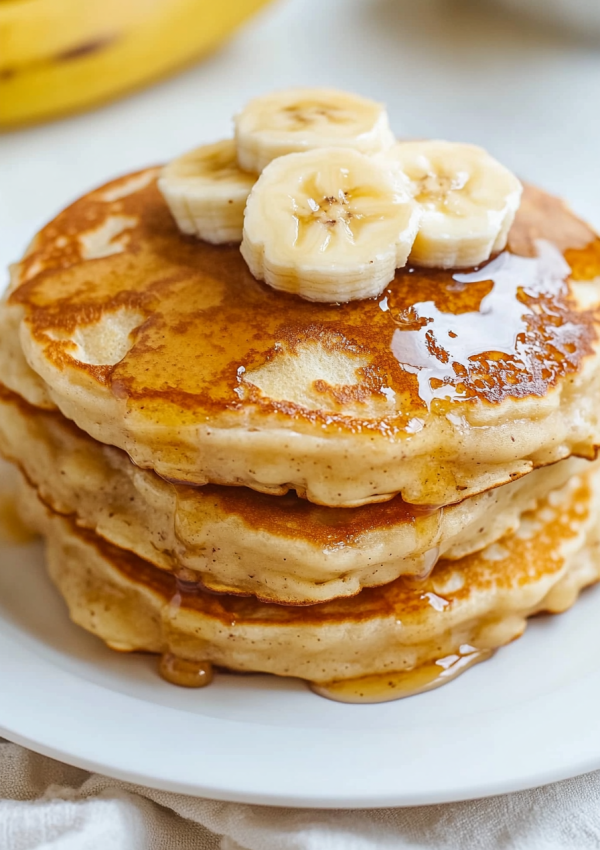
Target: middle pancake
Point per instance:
(279, 549)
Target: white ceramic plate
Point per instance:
(524, 718)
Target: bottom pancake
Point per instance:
(404, 637)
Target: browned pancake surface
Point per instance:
(510, 329)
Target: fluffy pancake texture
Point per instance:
(449, 384)
(235, 540)
(470, 606)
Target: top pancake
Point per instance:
(447, 384)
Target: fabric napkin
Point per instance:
(46, 805)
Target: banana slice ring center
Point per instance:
(301, 116)
(336, 212)
(436, 189)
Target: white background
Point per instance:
(445, 68)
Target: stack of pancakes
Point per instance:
(371, 496)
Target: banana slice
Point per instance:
(468, 201)
(299, 120)
(207, 191)
(329, 225)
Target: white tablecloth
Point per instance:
(46, 805)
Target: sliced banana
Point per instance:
(299, 120)
(206, 192)
(329, 225)
(468, 201)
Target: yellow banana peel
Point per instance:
(59, 56)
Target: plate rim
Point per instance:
(21, 723)
(360, 803)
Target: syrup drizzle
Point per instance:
(392, 686)
(185, 673)
(428, 562)
(12, 528)
(444, 348)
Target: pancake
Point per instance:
(445, 386)
(14, 371)
(235, 540)
(423, 632)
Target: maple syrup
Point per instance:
(185, 673)
(393, 686)
(12, 528)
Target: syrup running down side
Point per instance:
(12, 528)
(186, 674)
(387, 687)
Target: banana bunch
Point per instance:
(327, 205)
(57, 56)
